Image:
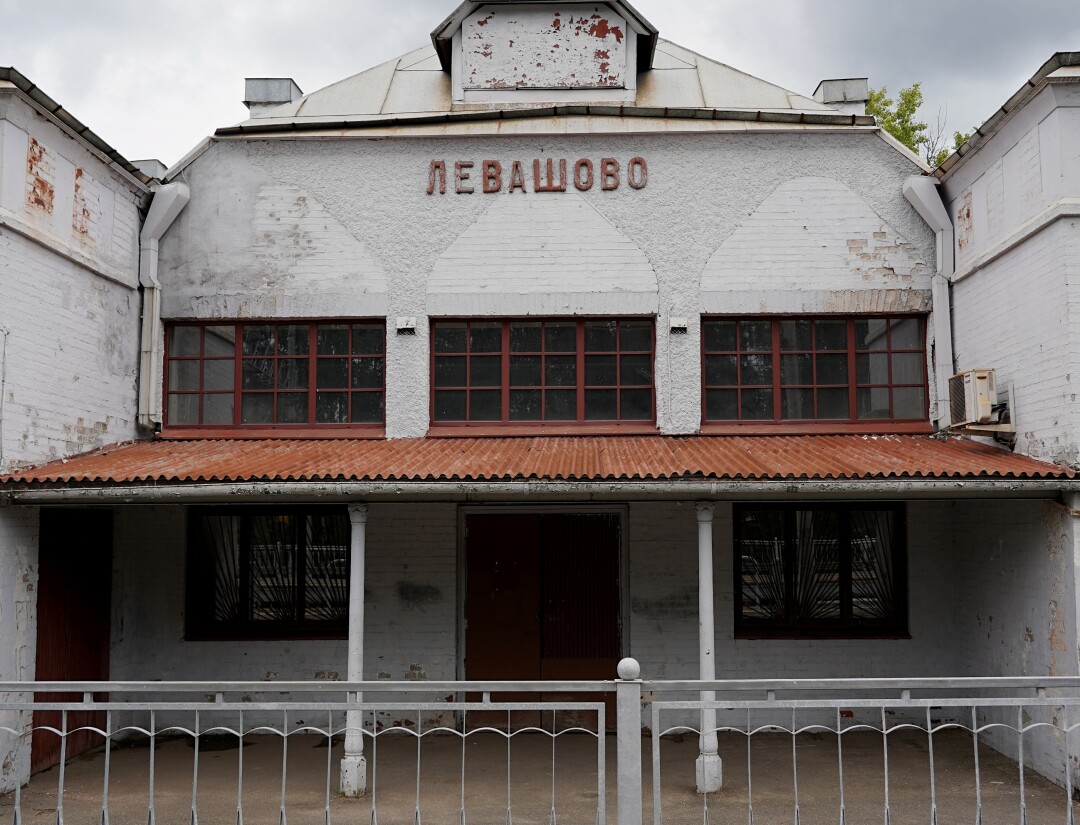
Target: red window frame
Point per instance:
(854, 366)
(228, 382)
(581, 420)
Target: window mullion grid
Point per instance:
(246, 599)
(852, 373)
(238, 374)
(313, 371)
(790, 549)
(775, 357)
(844, 564)
(300, 566)
(468, 371)
(579, 369)
(504, 368)
(889, 357)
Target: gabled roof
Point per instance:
(849, 458)
(647, 33)
(414, 88)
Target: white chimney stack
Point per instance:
(261, 94)
(848, 95)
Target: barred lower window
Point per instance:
(542, 371)
(325, 373)
(853, 369)
(261, 574)
(820, 571)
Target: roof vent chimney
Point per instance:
(261, 94)
(848, 95)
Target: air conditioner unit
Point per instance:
(972, 398)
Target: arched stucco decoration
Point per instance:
(250, 246)
(542, 254)
(814, 245)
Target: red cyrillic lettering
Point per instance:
(460, 176)
(638, 173)
(517, 177)
(437, 166)
(550, 185)
(609, 174)
(583, 184)
(492, 176)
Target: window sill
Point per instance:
(817, 428)
(301, 432)
(496, 430)
(809, 635)
(280, 636)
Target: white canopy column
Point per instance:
(709, 770)
(353, 764)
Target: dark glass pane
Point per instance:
(560, 370)
(485, 405)
(796, 335)
(870, 334)
(183, 410)
(217, 408)
(525, 405)
(560, 405)
(219, 375)
(757, 405)
(907, 368)
(874, 588)
(796, 404)
(257, 408)
(600, 336)
(332, 339)
(721, 370)
(525, 370)
(756, 369)
(600, 370)
(184, 375)
(292, 408)
(907, 333)
(485, 337)
(450, 337)
(293, 339)
(833, 404)
(909, 402)
(185, 341)
(601, 405)
(450, 371)
(831, 335)
(273, 559)
(796, 369)
(367, 408)
(560, 336)
(722, 405)
(258, 374)
(450, 405)
(326, 572)
(332, 373)
(331, 407)
(635, 336)
(720, 336)
(368, 339)
(832, 369)
(636, 405)
(816, 579)
(755, 336)
(635, 370)
(525, 337)
(258, 339)
(872, 368)
(292, 374)
(220, 341)
(367, 372)
(485, 371)
(873, 403)
(762, 566)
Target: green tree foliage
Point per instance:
(899, 118)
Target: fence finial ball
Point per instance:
(629, 669)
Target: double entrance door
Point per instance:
(542, 602)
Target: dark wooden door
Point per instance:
(541, 603)
(74, 589)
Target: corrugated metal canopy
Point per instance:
(554, 458)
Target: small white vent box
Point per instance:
(972, 396)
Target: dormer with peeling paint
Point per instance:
(515, 52)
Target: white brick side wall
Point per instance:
(18, 629)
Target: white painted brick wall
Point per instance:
(18, 629)
(1017, 316)
(71, 359)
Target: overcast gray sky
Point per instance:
(153, 77)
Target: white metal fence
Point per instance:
(799, 751)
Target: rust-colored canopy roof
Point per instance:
(554, 458)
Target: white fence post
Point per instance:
(628, 725)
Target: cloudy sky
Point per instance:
(153, 77)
